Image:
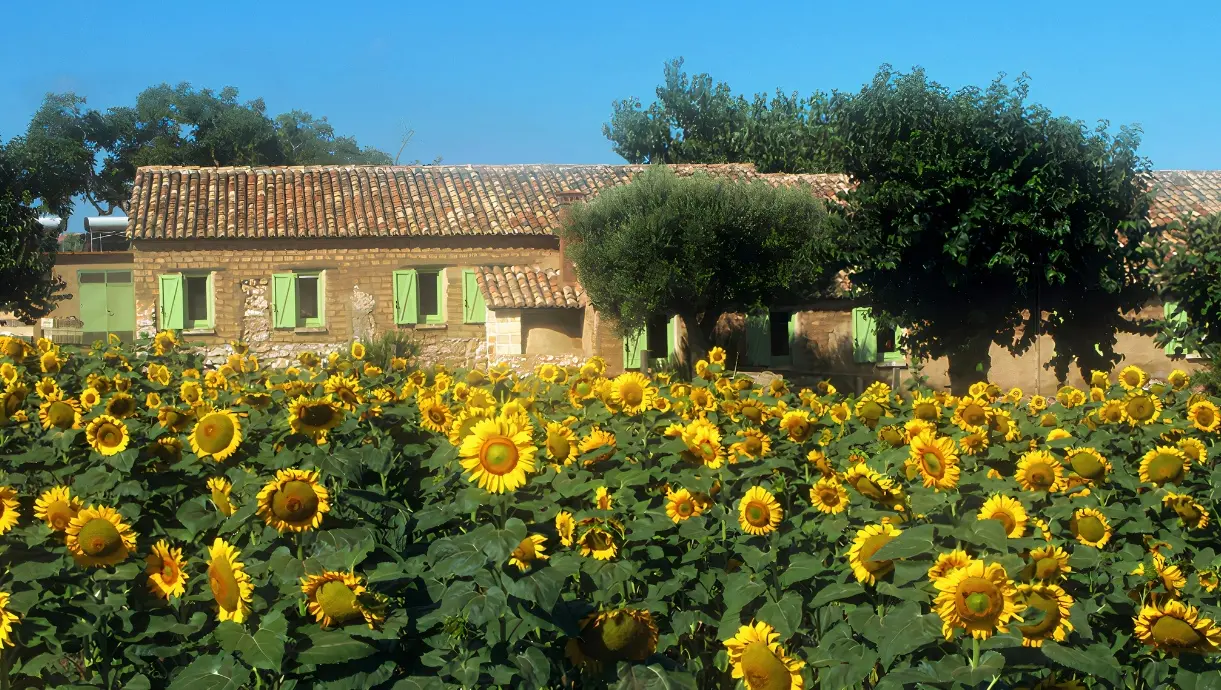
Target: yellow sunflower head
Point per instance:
(220, 489)
(565, 526)
(294, 501)
(107, 435)
(866, 543)
(314, 416)
(1047, 563)
(1088, 463)
(1175, 627)
(755, 656)
(98, 537)
(759, 512)
(683, 505)
(1179, 379)
(217, 434)
(612, 636)
(1039, 470)
(166, 570)
(1141, 408)
(230, 583)
(57, 507)
(528, 551)
(1007, 511)
(1133, 378)
(599, 542)
(59, 414)
(978, 598)
(1164, 465)
(1090, 527)
(1046, 614)
(798, 424)
(1204, 415)
(1192, 514)
(829, 496)
(498, 454)
(1112, 412)
(935, 459)
(8, 509)
(338, 598)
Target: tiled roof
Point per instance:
(526, 287)
(1184, 192)
(381, 201)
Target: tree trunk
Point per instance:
(969, 364)
(699, 337)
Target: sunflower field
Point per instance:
(337, 525)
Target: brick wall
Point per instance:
(358, 294)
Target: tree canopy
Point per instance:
(980, 218)
(696, 120)
(70, 151)
(1188, 269)
(27, 251)
(698, 246)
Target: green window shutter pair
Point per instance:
(473, 308)
(865, 339)
(1177, 317)
(284, 300)
(170, 293)
(631, 349)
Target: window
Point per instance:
(299, 299)
(779, 325)
(871, 345)
(186, 301)
(419, 297)
(657, 338)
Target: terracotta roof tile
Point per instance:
(526, 287)
(1179, 193)
(383, 201)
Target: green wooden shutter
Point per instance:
(284, 300)
(405, 310)
(1177, 317)
(864, 342)
(631, 349)
(473, 308)
(758, 340)
(170, 285)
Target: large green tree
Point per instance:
(28, 289)
(1188, 269)
(697, 120)
(70, 151)
(980, 218)
(698, 246)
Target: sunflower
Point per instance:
(978, 598)
(565, 525)
(1194, 449)
(220, 489)
(98, 537)
(870, 409)
(1133, 378)
(7, 620)
(121, 405)
(8, 509)
(1141, 408)
(840, 413)
(1090, 527)
(559, 443)
(1192, 514)
(314, 416)
(972, 414)
(230, 584)
(682, 505)
(50, 362)
(164, 343)
(947, 563)
(1088, 463)
(1112, 412)
(609, 637)
(107, 435)
(1007, 511)
(1039, 470)
(1048, 563)
(703, 440)
(828, 496)
(1164, 465)
(1046, 614)
(755, 444)
(936, 459)
(1002, 424)
(926, 408)
(598, 542)
(498, 453)
(464, 422)
(1171, 576)
(8, 372)
(1036, 404)
(602, 498)
(60, 414)
(602, 442)
(217, 434)
(873, 485)
(756, 657)
(1208, 580)
(866, 543)
(57, 507)
(528, 551)
(1204, 415)
(168, 449)
(294, 501)
(175, 419)
(758, 512)
(632, 393)
(974, 443)
(337, 598)
(190, 392)
(1179, 379)
(166, 571)
(346, 390)
(1175, 627)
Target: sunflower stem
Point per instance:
(974, 651)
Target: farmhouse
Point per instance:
(465, 259)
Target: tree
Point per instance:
(979, 218)
(699, 247)
(695, 120)
(71, 151)
(1188, 270)
(28, 288)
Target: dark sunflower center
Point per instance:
(1165, 468)
(60, 514)
(926, 411)
(559, 447)
(436, 416)
(684, 508)
(598, 540)
(1132, 379)
(870, 547)
(757, 514)
(61, 415)
(337, 600)
(1175, 632)
(109, 435)
(974, 415)
(1091, 528)
(978, 603)
(752, 445)
(829, 496)
(224, 585)
(1041, 475)
(799, 429)
(1005, 519)
(752, 413)
(1087, 465)
(1140, 408)
(169, 571)
(498, 455)
(99, 538)
(316, 415)
(932, 464)
(295, 502)
(632, 394)
(763, 670)
(871, 410)
(1205, 416)
(1043, 615)
(1046, 568)
(215, 433)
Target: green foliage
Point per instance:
(70, 150)
(28, 288)
(694, 120)
(390, 345)
(698, 246)
(1188, 270)
(976, 212)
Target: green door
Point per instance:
(758, 340)
(108, 305)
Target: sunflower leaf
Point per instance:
(332, 646)
(213, 672)
(802, 567)
(915, 541)
(1095, 660)
(264, 649)
(903, 630)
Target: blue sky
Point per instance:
(533, 82)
